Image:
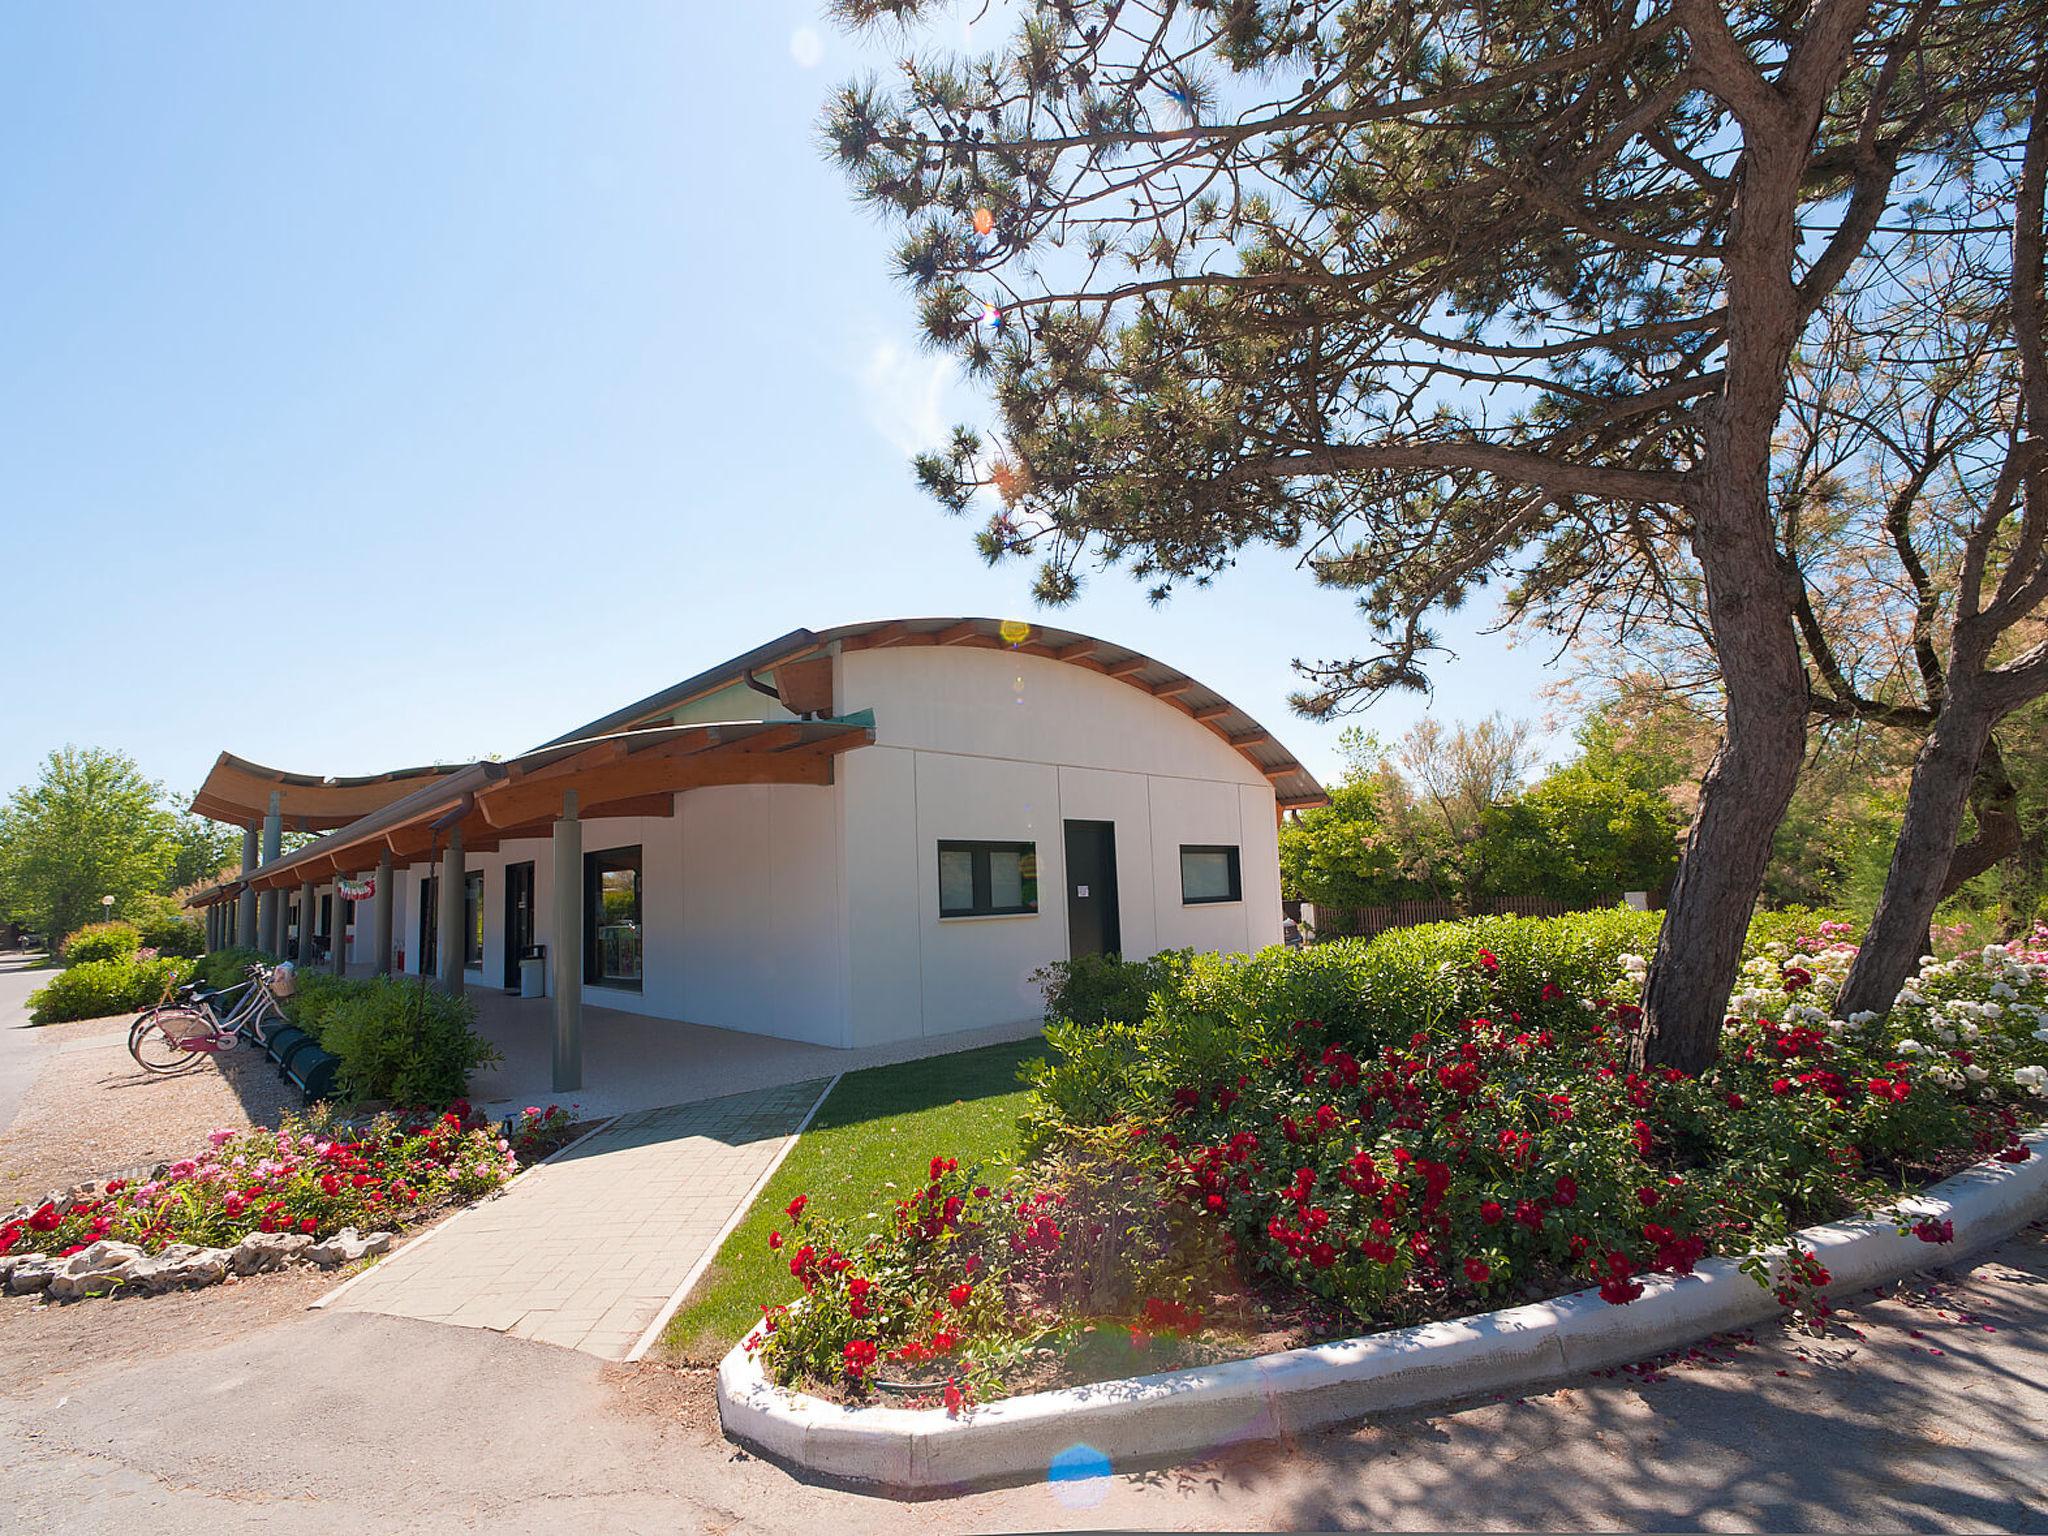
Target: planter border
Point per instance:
(1146, 1419)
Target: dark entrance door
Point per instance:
(430, 925)
(1092, 927)
(518, 919)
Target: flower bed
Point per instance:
(1374, 1136)
(312, 1179)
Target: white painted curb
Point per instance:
(1148, 1418)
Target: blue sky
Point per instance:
(389, 384)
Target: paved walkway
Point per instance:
(22, 1047)
(585, 1251)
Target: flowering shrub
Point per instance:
(308, 1176)
(537, 1131)
(1453, 1124)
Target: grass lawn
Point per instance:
(881, 1126)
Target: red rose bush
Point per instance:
(1439, 1122)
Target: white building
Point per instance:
(875, 832)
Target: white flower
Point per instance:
(1975, 1073)
(1910, 1047)
(2033, 1079)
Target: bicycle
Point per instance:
(183, 1030)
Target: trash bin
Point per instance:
(533, 971)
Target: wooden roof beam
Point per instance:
(1130, 666)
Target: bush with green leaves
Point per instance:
(166, 927)
(97, 989)
(225, 967)
(1102, 989)
(1445, 1119)
(101, 941)
(401, 1041)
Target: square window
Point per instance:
(988, 879)
(1208, 874)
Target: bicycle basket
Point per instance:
(283, 980)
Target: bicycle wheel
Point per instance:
(157, 1039)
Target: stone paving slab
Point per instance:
(584, 1251)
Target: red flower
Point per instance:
(796, 1206)
(1552, 992)
(1488, 963)
(45, 1218)
(308, 1225)
(959, 1295)
(1490, 1212)
(1530, 1214)
(1566, 1192)
(1931, 1231)
(1646, 1197)
(1477, 1272)
(859, 1356)
(774, 1241)
(857, 1295)
(329, 1184)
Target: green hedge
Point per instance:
(101, 941)
(1222, 1014)
(96, 989)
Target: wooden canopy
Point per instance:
(631, 773)
(239, 791)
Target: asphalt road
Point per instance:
(22, 1047)
(237, 1411)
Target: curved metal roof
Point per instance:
(1292, 784)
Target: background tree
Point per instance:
(90, 826)
(1436, 295)
(204, 848)
(1588, 831)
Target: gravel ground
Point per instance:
(92, 1111)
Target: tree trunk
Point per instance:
(1996, 800)
(1942, 776)
(1742, 798)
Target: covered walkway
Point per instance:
(633, 1062)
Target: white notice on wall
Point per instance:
(1081, 892)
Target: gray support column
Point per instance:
(380, 918)
(565, 948)
(337, 941)
(271, 919)
(309, 910)
(245, 903)
(452, 938)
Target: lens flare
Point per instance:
(1079, 1476)
(984, 221)
(1014, 631)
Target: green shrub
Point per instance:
(1102, 989)
(95, 989)
(166, 927)
(401, 1041)
(225, 967)
(315, 996)
(1220, 1015)
(102, 941)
